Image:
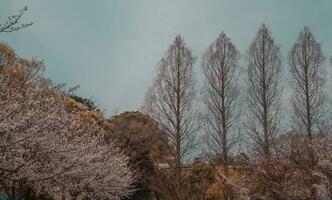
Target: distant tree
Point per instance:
(308, 83)
(263, 103)
(13, 22)
(201, 177)
(220, 63)
(141, 139)
(85, 101)
(170, 101)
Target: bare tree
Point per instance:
(263, 102)
(220, 91)
(13, 22)
(306, 59)
(170, 102)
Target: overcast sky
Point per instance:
(111, 47)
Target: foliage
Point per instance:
(7, 56)
(46, 150)
(87, 102)
(141, 139)
(200, 179)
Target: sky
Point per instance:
(110, 48)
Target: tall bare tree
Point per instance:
(263, 102)
(13, 22)
(170, 102)
(306, 59)
(220, 63)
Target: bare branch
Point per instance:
(13, 22)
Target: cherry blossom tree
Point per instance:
(320, 176)
(49, 151)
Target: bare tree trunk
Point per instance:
(263, 102)
(220, 92)
(170, 102)
(305, 60)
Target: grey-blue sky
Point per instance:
(111, 47)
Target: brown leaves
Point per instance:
(7, 55)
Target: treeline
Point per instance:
(276, 165)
